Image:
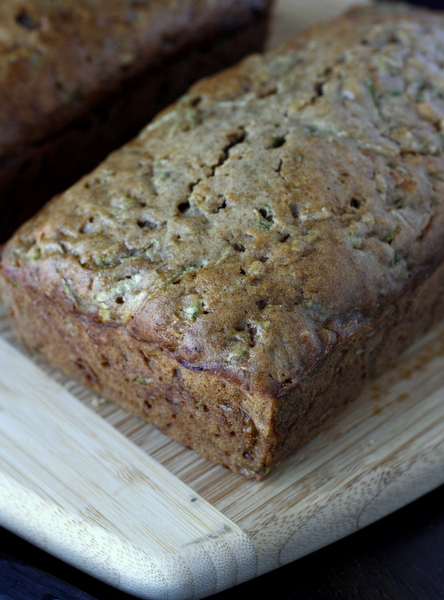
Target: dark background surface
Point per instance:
(400, 557)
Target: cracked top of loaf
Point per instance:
(58, 58)
(274, 209)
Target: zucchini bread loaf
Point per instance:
(268, 243)
(80, 78)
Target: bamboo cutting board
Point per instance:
(111, 495)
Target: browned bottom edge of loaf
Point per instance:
(201, 409)
(31, 178)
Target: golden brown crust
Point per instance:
(280, 217)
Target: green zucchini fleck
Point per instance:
(34, 254)
(201, 405)
(125, 357)
(193, 311)
(238, 351)
(371, 88)
(70, 292)
(176, 276)
(264, 217)
(142, 380)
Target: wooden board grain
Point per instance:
(159, 521)
(115, 497)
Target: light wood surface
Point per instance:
(113, 496)
(291, 16)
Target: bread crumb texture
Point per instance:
(253, 223)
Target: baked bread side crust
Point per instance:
(247, 433)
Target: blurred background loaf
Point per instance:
(78, 79)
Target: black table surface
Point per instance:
(399, 557)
